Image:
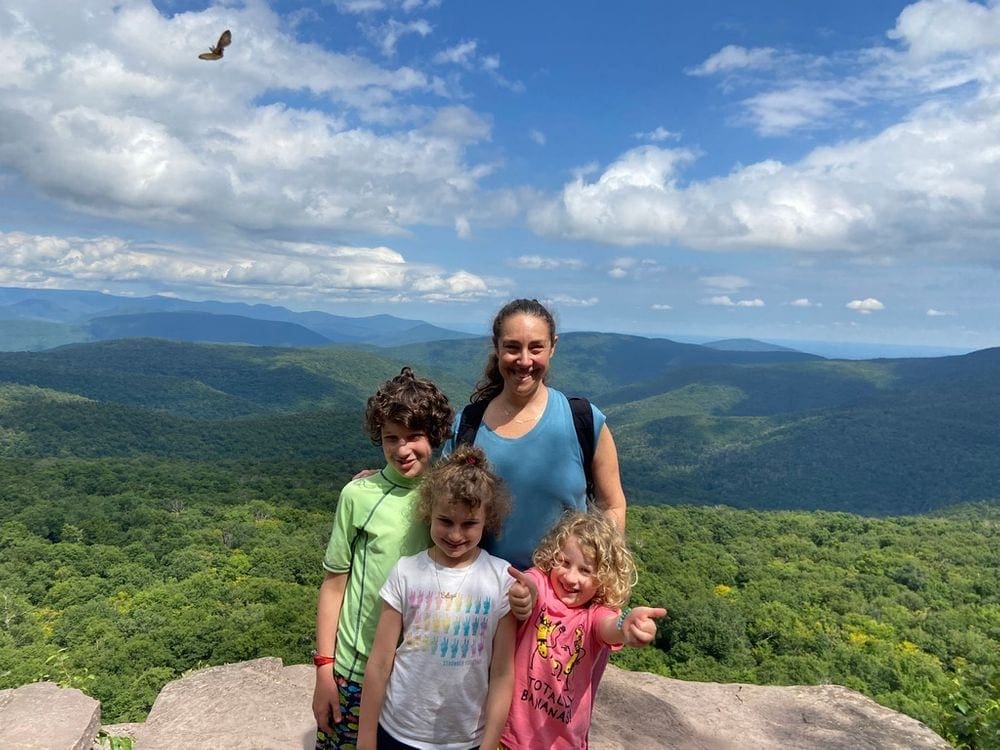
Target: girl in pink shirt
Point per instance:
(582, 574)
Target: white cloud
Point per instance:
(933, 313)
(733, 57)
(387, 35)
(538, 262)
(803, 302)
(96, 117)
(661, 306)
(537, 136)
(925, 184)
(722, 300)
(460, 54)
(865, 306)
(563, 300)
(725, 283)
(462, 228)
(657, 134)
(358, 7)
(295, 270)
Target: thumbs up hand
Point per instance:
(522, 595)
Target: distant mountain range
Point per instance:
(37, 319)
(693, 424)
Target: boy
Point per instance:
(374, 526)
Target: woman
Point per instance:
(528, 435)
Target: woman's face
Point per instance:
(523, 352)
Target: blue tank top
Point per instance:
(543, 470)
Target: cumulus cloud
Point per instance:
(724, 300)
(459, 54)
(923, 184)
(387, 35)
(733, 57)
(564, 300)
(375, 6)
(803, 302)
(94, 116)
(725, 283)
(292, 270)
(865, 306)
(933, 313)
(656, 135)
(539, 263)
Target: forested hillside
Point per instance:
(165, 506)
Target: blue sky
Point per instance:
(775, 170)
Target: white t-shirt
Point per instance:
(436, 696)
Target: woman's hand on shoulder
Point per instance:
(364, 473)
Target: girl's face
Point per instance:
(573, 575)
(456, 531)
(523, 352)
(408, 451)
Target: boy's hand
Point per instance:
(326, 703)
(639, 625)
(523, 594)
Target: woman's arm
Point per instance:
(501, 688)
(638, 627)
(390, 625)
(607, 479)
(326, 697)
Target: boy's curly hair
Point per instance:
(416, 403)
(614, 568)
(465, 478)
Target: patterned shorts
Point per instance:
(345, 734)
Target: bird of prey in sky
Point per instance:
(216, 51)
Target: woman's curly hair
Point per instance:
(465, 478)
(614, 568)
(416, 403)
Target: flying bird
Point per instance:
(216, 51)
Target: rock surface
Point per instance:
(263, 705)
(641, 710)
(44, 716)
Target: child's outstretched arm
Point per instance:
(390, 625)
(326, 697)
(635, 627)
(522, 594)
(501, 687)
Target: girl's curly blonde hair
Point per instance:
(465, 478)
(614, 568)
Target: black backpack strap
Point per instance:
(583, 423)
(468, 425)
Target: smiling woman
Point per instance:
(528, 433)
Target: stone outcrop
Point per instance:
(264, 705)
(44, 716)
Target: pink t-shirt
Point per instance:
(553, 673)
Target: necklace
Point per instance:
(509, 414)
(458, 590)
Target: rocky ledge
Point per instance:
(264, 705)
